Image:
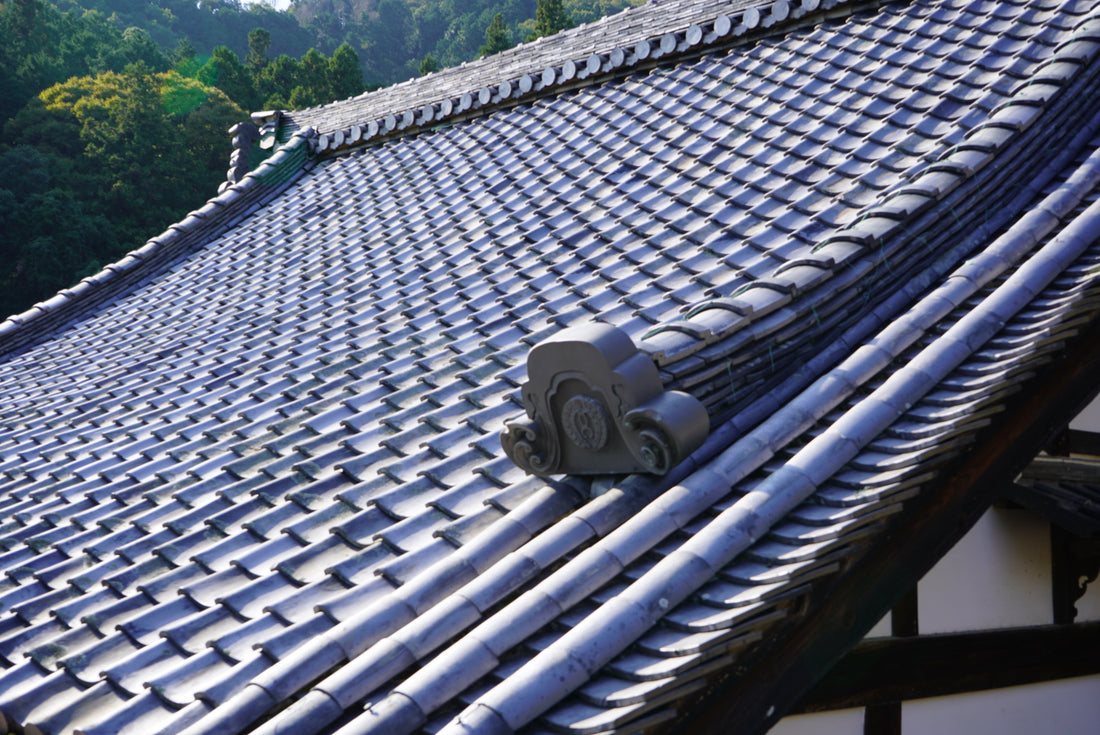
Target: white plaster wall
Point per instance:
(997, 576)
(840, 722)
(1089, 419)
(1067, 707)
(882, 627)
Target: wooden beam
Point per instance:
(780, 673)
(889, 670)
(904, 620)
(1082, 442)
(884, 718)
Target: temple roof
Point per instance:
(252, 475)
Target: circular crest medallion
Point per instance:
(585, 422)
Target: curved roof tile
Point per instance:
(251, 474)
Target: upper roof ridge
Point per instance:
(634, 38)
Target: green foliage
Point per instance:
(276, 81)
(259, 43)
(388, 42)
(344, 73)
(550, 17)
(141, 147)
(47, 242)
(226, 72)
(47, 237)
(138, 47)
(183, 52)
(428, 65)
(114, 112)
(312, 85)
(496, 37)
(206, 24)
(41, 46)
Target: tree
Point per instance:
(259, 43)
(27, 61)
(496, 37)
(226, 72)
(151, 146)
(311, 85)
(138, 47)
(550, 17)
(184, 51)
(428, 64)
(345, 76)
(48, 239)
(387, 42)
(276, 83)
(200, 116)
(129, 154)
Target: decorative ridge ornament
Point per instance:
(596, 405)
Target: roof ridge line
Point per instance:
(270, 177)
(465, 67)
(718, 32)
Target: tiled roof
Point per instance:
(251, 476)
(1063, 490)
(621, 41)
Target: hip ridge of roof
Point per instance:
(221, 211)
(422, 104)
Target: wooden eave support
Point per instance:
(884, 670)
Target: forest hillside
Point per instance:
(114, 113)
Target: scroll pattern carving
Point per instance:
(596, 405)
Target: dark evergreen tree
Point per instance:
(387, 43)
(226, 72)
(48, 239)
(28, 58)
(428, 64)
(312, 83)
(345, 76)
(276, 82)
(496, 37)
(137, 47)
(550, 17)
(259, 43)
(184, 51)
